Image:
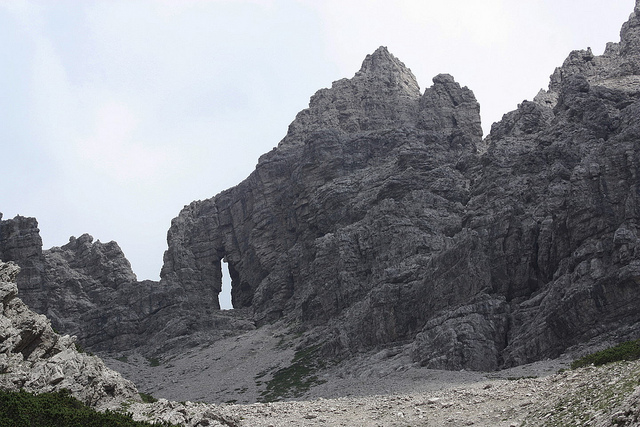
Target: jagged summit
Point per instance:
(383, 94)
(376, 220)
(618, 68)
(382, 65)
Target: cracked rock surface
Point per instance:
(35, 358)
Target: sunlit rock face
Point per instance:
(384, 219)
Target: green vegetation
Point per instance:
(123, 359)
(147, 398)
(629, 350)
(153, 362)
(294, 380)
(23, 409)
(81, 349)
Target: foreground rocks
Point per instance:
(604, 396)
(35, 358)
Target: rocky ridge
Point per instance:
(383, 219)
(87, 289)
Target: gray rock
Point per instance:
(20, 241)
(35, 358)
(87, 289)
(410, 228)
(383, 219)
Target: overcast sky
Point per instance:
(116, 114)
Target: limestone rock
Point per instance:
(35, 358)
(383, 94)
(301, 234)
(618, 68)
(20, 241)
(373, 225)
(383, 219)
(626, 414)
(87, 289)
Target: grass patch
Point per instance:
(123, 359)
(80, 349)
(147, 398)
(296, 379)
(629, 350)
(60, 409)
(153, 361)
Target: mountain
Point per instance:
(383, 218)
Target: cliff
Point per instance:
(384, 219)
(87, 289)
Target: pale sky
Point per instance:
(116, 114)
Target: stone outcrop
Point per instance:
(20, 241)
(87, 289)
(383, 219)
(284, 224)
(35, 358)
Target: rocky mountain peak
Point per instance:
(449, 109)
(618, 68)
(382, 65)
(376, 222)
(104, 261)
(383, 94)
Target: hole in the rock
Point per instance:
(225, 295)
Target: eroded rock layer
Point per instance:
(87, 289)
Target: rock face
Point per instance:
(35, 358)
(332, 190)
(20, 241)
(383, 219)
(88, 289)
